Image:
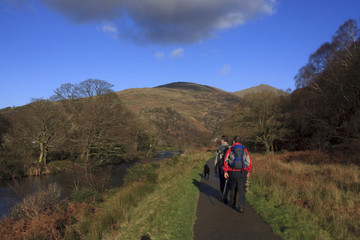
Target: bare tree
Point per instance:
(66, 91)
(94, 87)
(331, 87)
(259, 119)
(100, 125)
(4, 127)
(86, 89)
(38, 127)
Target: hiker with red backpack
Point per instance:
(237, 166)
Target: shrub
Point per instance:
(171, 162)
(58, 166)
(90, 176)
(142, 172)
(36, 203)
(4, 175)
(86, 195)
(50, 224)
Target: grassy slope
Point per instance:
(169, 212)
(203, 106)
(302, 200)
(257, 89)
(156, 218)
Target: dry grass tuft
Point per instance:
(50, 224)
(38, 202)
(328, 190)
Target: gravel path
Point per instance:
(216, 220)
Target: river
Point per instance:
(31, 184)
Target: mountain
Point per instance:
(257, 89)
(182, 110)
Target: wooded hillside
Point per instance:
(181, 112)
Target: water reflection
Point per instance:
(9, 194)
(32, 184)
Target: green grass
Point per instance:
(158, 200)
(303, 200)
(170, 211)
(96, 223)
(286, 220)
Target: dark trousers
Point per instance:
(237, 179)
(226, 193)
(222, 180)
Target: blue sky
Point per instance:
(228, 44)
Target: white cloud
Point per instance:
(225, 69)
(177, 53)
(108, 28)
(159, 55)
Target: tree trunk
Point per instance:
(45, 155)
(41, 152)
(85, 156)
(271, 148)
(267, 146)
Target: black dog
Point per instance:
(206, 171)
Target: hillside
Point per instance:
(180, 110)
(257, 89)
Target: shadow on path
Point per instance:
(216, 220)
(208, 190)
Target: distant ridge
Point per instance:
(257, 89)
(188, 86)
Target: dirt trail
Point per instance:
(216, 220)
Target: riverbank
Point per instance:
(15, 190)
(61, 172)
(62, 166)
(35, 169)
(96, 220)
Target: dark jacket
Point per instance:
(219, 158)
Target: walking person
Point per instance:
(237, 166)
(219, 163)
